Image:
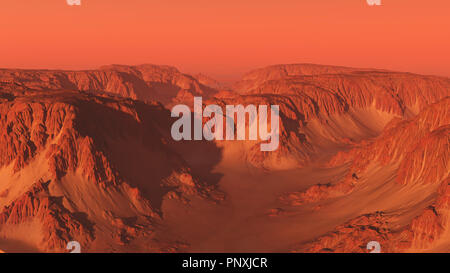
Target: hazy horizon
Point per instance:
(226, 39)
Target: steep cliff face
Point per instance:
(105, 158)
(88, 156)
(253, 79)
(416, 152)
(324, 109)
(51, 224)
(143, 82)
(409, 144)
(335, 90)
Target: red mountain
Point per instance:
(88, 156)
(143, 82)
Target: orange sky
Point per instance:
(225, 38)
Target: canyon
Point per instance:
(88, 156)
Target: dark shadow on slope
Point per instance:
(141, 150)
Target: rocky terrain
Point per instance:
(143, 82)
(76, 165)
(88, 156)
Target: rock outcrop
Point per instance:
(143, 82)
(88, 156)
(325, 108)
(418, 152)
(103, 156)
